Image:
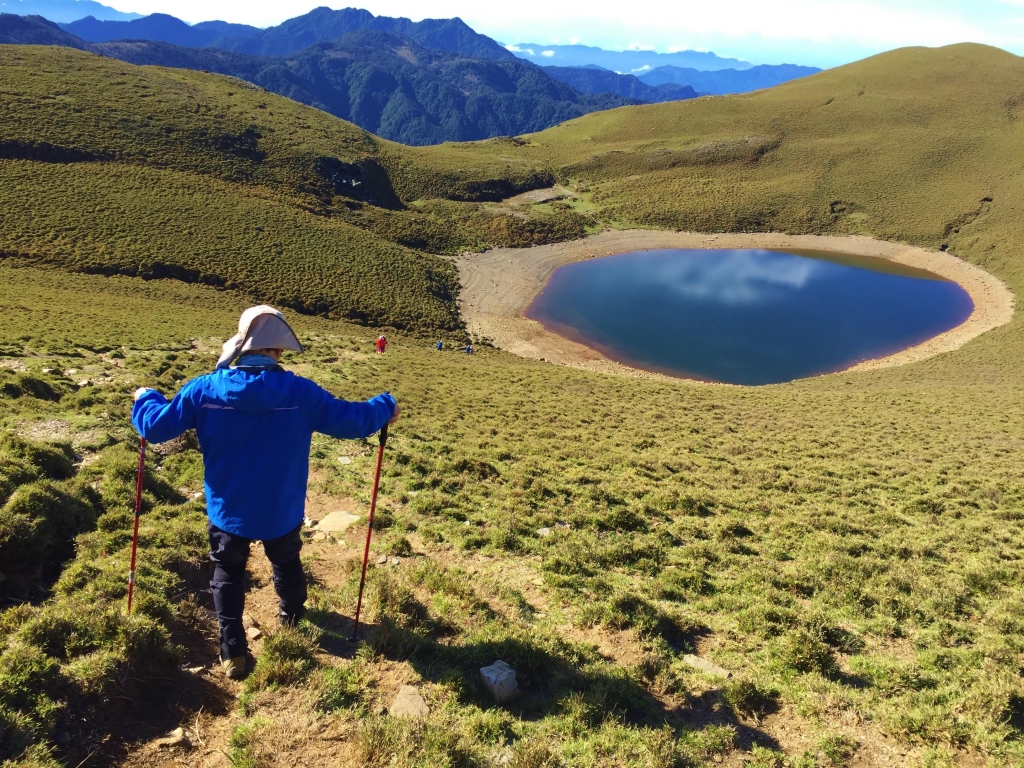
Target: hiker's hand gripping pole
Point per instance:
(382, 439)
(138, 511)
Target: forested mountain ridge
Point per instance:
(387, 84)
(35, 30)
(161, 27)
(598, 80)
(393, 87)
(726, 81)
(319, 25)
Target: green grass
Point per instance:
(209, 180)
(849, 545)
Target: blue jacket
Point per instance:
(255, 427)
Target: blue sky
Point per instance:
(815, 32)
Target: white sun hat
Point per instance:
(261, 327)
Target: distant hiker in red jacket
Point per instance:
(382, 344)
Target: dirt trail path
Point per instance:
(499, 285)
(207, 704)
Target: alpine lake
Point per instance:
(749, 317)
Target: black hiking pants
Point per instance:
(229, 554)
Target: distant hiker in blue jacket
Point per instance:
(255, 422)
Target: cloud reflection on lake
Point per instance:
(732, 277)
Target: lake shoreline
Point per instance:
(498, 286)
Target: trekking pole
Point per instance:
(138, 512)
(382, 438)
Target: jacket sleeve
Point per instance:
(340, 418)
(158, 420)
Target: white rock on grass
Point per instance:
(337, 522)
(344, 459)
(175, 738)
(544, 532)
(500, 680)
(408, 703)
(705, 666)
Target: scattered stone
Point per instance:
(175, 738)
(538, 582)
(318, 536)
(705, 666)
(337, 522)
(72, 372)
(563, 525)
(248, 621)
(197, 494)
(500, 680)
(197, 670)
(47, 370)
(382, 560)
(253, 633)
(394, 560)
(408, 703)
(85, 383)
(544, 532)
(344, 459)
(308, 522)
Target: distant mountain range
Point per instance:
(161, 27)
(64, 10)
(388, 84)
(421, 82)
(319, 25)
(725, 81)
(597, 80)
(624, 62)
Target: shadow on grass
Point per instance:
(157, 707)
(556, 678)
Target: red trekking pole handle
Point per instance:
(138, 512)
(382, 438)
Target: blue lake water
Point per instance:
(747, 316)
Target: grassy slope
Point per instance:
(851, 542)
(211, 180)
(904, 144)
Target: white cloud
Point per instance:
(575, 41)
(644, 68)
(740, 277)
(513, 48)
(548, 54)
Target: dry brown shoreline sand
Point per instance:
(497, 286)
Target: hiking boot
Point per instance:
(234, 668)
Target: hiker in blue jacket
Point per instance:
(255, 422)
